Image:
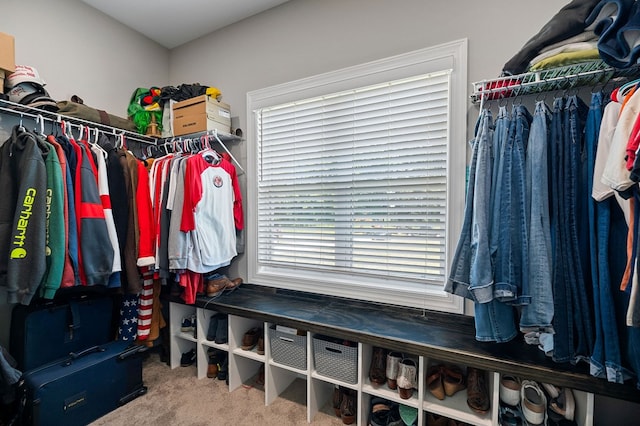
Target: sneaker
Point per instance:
(188, 358)
(188, 324)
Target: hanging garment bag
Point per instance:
(41, 334)
(82, 387)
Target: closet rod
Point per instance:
(36, 113)
(215, 135)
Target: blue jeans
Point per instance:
(481, 272)
(460, 273)
(495, 321)
(576, 112)
(538, 315)
(563, 311)
(574, 331)
(512, 260)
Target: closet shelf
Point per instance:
(35, 113)
(561, 78)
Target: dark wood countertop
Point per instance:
(441, 336)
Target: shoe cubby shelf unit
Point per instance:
(245, 365)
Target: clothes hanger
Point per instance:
(95, 146)
(40, 121)
(624, 90)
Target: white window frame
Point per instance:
(449, 56)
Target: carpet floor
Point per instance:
(178, 398)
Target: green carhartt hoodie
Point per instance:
(55, 233)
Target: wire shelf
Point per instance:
(561, 78)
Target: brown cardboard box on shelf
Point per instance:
(7, 57)
(201, 114)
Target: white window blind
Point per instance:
(355, 182)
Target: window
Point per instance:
(357, 189)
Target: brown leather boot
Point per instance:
(477, 391)
(378, 366)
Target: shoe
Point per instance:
(260, 349)
(552, 391)
(233, 284)
(212, 367)
(385, 413)
(337, 400)
(211, 330)
(223, 366)
(260, 379)
(188, 358)
(222, 329)
(533, 402)
(250, 339)
(407, 378)
(188, 324)
(377, 367)
(348, 407)
(380, 412)
(477, 391)
(453, 380)
(393, 364)
(438, 420)
(434, 381)
(215, 287)
(510, 416)
(408, 415)
(510, 390)
(564, 404)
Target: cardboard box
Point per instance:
(201, 114)
(197, 123)
(7, 53)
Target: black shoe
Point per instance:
(188, 358)
(213, 325)
(223, 366)
(222, 329)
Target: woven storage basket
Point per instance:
(288, 349)
(335, 360)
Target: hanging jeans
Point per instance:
(512, 262)
(460, 275)
(494, 320)
(563, 311)
(605, 358)
(537, 316)
(572, 322)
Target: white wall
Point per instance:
(302, 38)
(80, 51)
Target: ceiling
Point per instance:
(172, 23)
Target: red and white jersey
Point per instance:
(208, 212)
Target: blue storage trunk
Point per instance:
(79, 389)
